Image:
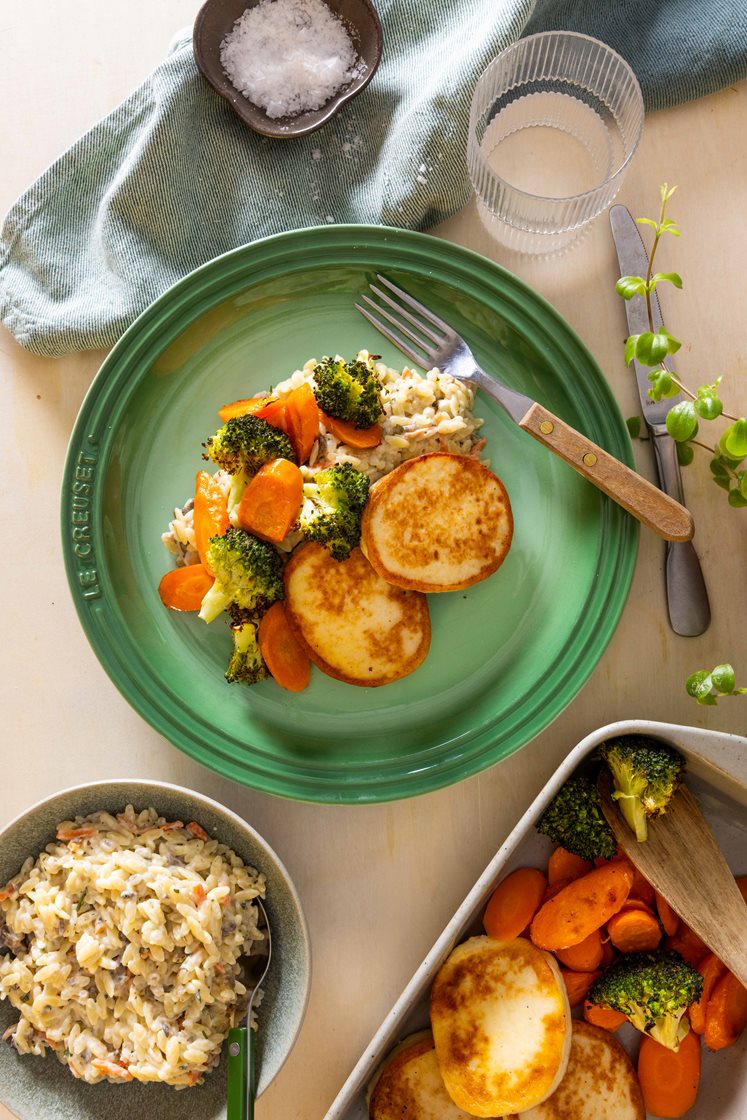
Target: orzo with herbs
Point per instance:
(124, 938)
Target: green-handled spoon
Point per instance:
(241, 1064)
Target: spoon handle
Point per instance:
(238, 1106)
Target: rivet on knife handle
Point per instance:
(646, 502)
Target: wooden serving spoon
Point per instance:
(683, 862)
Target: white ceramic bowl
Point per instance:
(36, 1088)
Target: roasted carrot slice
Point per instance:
(297, 415)
(581, 907)
(667, 916)
(242, 407)
(347, 433)
(711, 969)
(669, 1078)
(302, 421)
(555, 888)
(271, 501)
(563, 864)
(210, 513)
(726, 1013)
(183, 589)
(599, 1015)
(274, 413)
(687, 943)
(587, 956)
(577, 984)
(633, 930)
(283, 654)
(513, 903)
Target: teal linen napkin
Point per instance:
(173, 178)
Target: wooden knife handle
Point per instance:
(650, 505)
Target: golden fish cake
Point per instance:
(353, 624)
(501, 1025)
(438, 522)
(409, 1085)
(600, 1082)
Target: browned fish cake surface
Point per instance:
(600, 1082)
(501, 1025)
(439, 522)
(353, 624)
(410, 1086)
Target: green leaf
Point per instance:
(652, 347)
(630, 345)
(662, 384)
(698, 684)
(629, 286)
(737, 499)
(743, 484)
(708, 406)
(723, 678)
(647, 222)
(666, 191)
(668, 226)
(733, 441)
(682, 423)
(633, 424)
(721, 475)
(685, 454)
(672, 277)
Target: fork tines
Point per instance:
(425, 354)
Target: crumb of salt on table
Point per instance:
(288, 56)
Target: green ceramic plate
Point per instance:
(507, 655)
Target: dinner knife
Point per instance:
(687, 597)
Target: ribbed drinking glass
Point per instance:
(555, 121)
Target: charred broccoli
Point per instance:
(333, 507)
(348, 390)
(646, 773)
(653, 990)
(248, 574)
(246, 662)
(246, 443)
(574, 819)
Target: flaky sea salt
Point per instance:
(288, 56)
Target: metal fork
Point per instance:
(433, 342)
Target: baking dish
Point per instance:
(717, 776)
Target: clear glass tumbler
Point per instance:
(555, 121)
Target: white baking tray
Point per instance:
(717, 775)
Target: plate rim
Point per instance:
(191, 295)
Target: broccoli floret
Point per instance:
(653, 990)
(333, 507)
(248, 574)
(646, 773)
(348, 390)
(246, 662)
(574, 819)
(246, 443)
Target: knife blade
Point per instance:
(687, 597)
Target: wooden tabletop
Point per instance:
(378, 882)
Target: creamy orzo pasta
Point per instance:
(124, 938)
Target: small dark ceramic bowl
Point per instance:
(36, 1088)
(216, 18)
